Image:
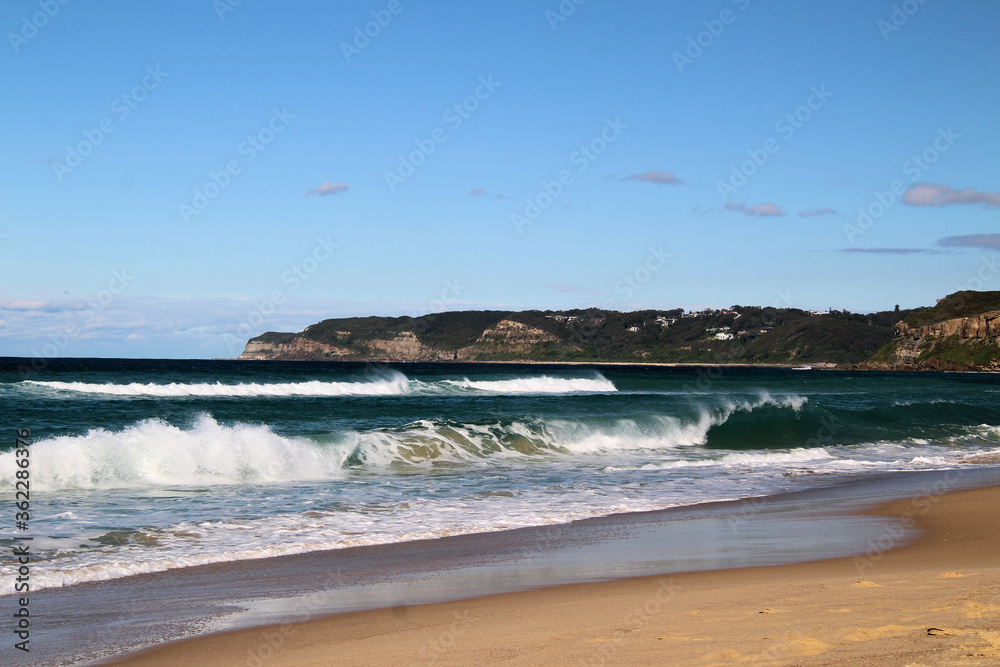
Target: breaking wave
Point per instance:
(207, 453)
(392, 383)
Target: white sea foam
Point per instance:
(538, 385)
(355, 521)
(739, 460)
(340, 511)
(154, 453)
(391, 383)
(188, 544)
(394, 384)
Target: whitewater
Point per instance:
(144, 466)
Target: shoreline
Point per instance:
(854, 367)
(804, 611)
(819, 365)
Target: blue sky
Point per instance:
(179, 176)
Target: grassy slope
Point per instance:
(959, 304)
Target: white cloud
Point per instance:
(329, 188)
(655, 176)
(767, 209)
(932, 194)
(134, 326)
(991, 241)
(814, 212)
(42, 305)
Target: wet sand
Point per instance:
(930, 601)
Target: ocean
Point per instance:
(143, 466)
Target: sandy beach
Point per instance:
(934, 601)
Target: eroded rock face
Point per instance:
(297, 349)
(911, 342)
(980, 327)
(506, 337)
(511, 337)
(407, 347)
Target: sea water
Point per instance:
(141, 466)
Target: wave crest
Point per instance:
(537, 385)
(394, 383)
(155, 453)
(391, 383)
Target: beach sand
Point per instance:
(935, 601)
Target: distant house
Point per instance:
(634, 329)
(666, 321)
(724, 335)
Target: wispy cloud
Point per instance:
(41, 305)
(757, 210)
(815, 212)
(892, 251)
(328, 188)
(477, 192)
(655, 176)
(932, 194)
(991, 241)
(152, 326)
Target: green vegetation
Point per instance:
(959, 304)
(886, 354)
(739, 334)
(274, 337)
(961, 352)
(836, 338)
(453, 331)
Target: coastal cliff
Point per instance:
(293, 349)
(961, 332)
(505, 339)
(928, 341)
(740, 334)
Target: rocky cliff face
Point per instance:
(508, 338)
(919, 348)
(982, 327)
(406, 347)
(297, 349)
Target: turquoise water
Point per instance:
(143, 466)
